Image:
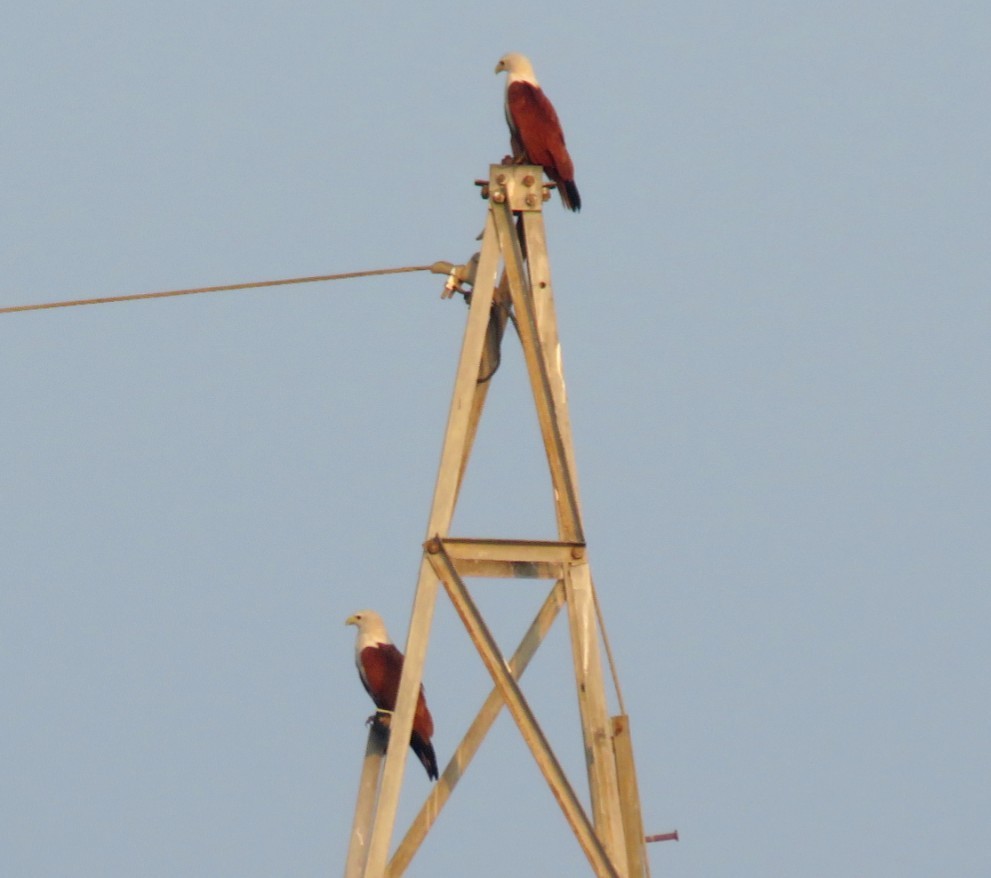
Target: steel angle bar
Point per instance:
(539, 269)
(460, 426)
(565, 496)
(453, 454)
(365, 807)
(519, 559)
(402, 720)
(629, 798)
(596, 728)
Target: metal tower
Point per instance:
(612, 836)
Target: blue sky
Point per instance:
(774, 311)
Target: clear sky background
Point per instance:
(775, 317)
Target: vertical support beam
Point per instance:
(460, 421)
(402, 722)
(365, 807)
(448, 482)
(565, 495)
(596, 727)
(629, 798)
(535, 241)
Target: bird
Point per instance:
(534, 130)
(380, 666)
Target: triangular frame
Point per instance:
(612, 838)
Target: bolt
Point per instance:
(433, 546)
(485, 191)
(499, 197)
(547, 195)
(577, 552)
(528, 180)
(531, 200)
(500, 178)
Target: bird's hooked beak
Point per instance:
(500, 66)
(351, 620)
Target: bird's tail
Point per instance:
(569, 195)
(424, 751)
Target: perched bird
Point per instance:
(534, 129)
(380, 665)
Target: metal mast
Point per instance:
(612, 835)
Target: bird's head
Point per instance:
(518, 67)
(370, 625)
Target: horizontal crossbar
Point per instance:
(508, 559)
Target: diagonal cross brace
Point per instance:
(517, 704)
(472, 740)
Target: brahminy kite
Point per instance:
(380, 665)
(534, 130)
